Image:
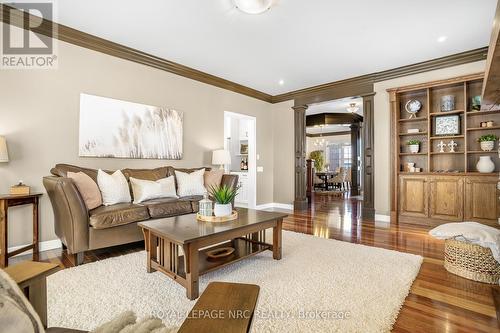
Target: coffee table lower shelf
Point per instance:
(243, 248)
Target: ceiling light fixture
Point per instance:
(253, 6)
(352, 108)
(281, 82)
(442, 39)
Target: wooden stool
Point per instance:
(223, 308)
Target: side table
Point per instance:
(10, 200)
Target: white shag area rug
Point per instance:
(320, 285)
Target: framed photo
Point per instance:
(244, 149)
(447, 125)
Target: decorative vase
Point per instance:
(485, 164)
(487, 145)
(414, 148)
(222, 209)
(448, 103)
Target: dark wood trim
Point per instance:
(332, 119)
(355, 138)
(328, 134)
(82, 39)
(300, 201)
(491, 86)
(359, 82)
(368, 156)
(328, 91)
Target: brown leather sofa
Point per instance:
(80, 229)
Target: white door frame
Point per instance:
(252, 153)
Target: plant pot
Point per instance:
(223, 209)
(414, 148)
(485, 164)
(487, 145)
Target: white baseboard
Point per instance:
(43, 246)
(274, 205)
(382, 218)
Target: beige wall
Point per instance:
(283, 143)
(382, 124)
(39, 112)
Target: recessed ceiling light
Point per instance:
(281, 82)
(442, 39)
(253, 6)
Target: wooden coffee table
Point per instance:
(246, 235)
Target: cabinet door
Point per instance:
(413, 196)
(447, 198)
(242, 196)
(481, 199)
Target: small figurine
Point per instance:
(452, 146)
(441, 146)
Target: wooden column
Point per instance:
(368, 162)
(394, 155)
(354, 159)
(300, 201)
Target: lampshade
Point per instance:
(4, 154)
(220, 157)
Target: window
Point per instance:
(339, 155)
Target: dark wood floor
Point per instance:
(438, 302)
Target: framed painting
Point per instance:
(119, 129)
(447, 125)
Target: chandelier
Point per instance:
(320, 142)
(352, 108)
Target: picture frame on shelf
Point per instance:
(447, 125)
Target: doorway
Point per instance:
(240, 141)
(333, 148)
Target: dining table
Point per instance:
(325, 175)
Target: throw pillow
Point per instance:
(190, 183)
(114, 188)
(88, 189)
(152, 189)
(213, 178)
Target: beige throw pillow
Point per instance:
(114, 188)
(88, 189)
(213, 178)
(189, 184)
(152, 189)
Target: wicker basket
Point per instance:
(471, 261)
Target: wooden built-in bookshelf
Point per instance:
(448, 188)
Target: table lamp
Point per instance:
(4, 154)
(221, 157)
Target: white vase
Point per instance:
(414, 148)
(487, 145)
(223, 210)
(485, 164)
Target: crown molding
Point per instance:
(359, 83)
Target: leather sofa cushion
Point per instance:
(166, 207)
(194, 201)
(111, 216)
(147, 174)
(62, 170)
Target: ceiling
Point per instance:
(336, 106)
(303, 43)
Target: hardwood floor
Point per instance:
(438, 301)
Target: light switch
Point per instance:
(260, 169)
(258, 157)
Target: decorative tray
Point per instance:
(231, 217)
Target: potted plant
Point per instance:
(487, 142)
(414, 145)
(223, 196)
(318, 158)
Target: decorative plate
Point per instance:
(413, 106)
